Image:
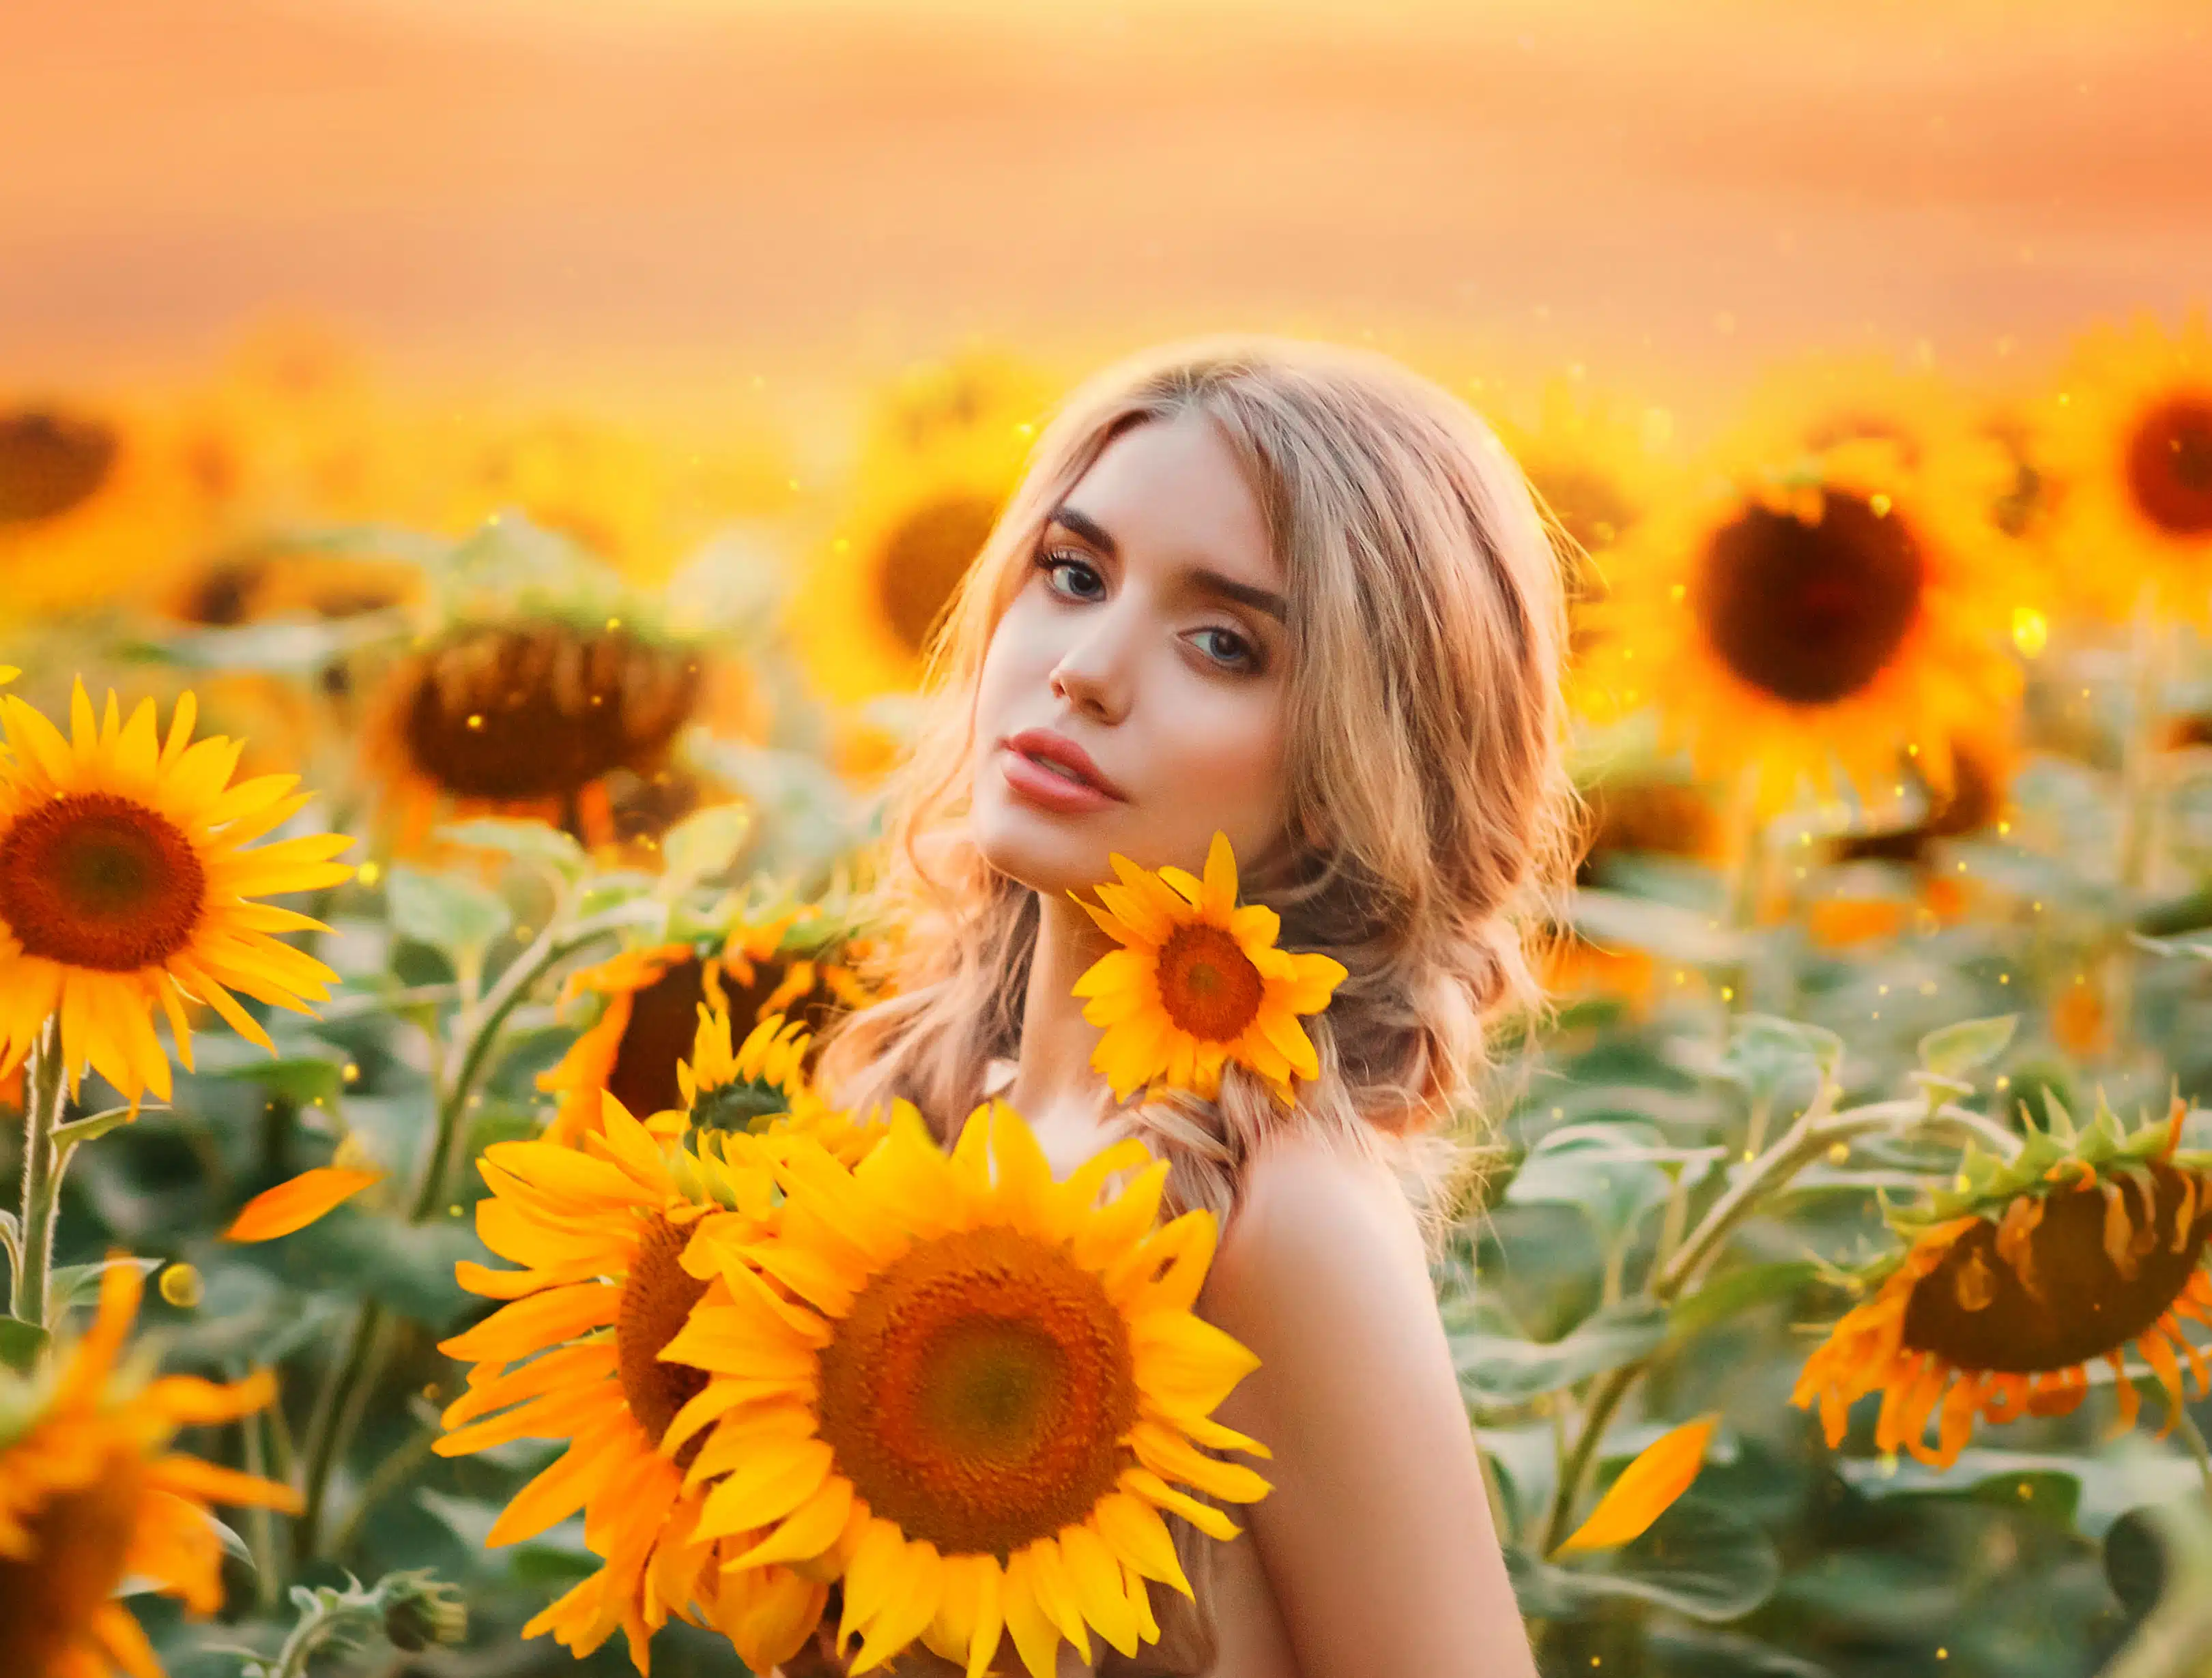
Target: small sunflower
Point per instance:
(2018, 1280)
(946, 449)
(760, 1086)
(126, 881)
(89, 1497)
(1198, 982)
(1828, 616)
(650, 1015)
(964, 1389)
(577, 1355)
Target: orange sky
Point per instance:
(545, 189)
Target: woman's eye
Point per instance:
(1239, 651)
(1056, 563)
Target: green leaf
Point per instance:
(1738, 1290)
(1952, 1050)
(21, 1342)
(2093, 1491)
(1766, 1052)
(445, 911)
(95, 1125)
(1610, 1172)
(303, 1081)
(1701, 1559)
(1693, 938)
(74, 1285)
(704, 843)
(525, 841)
(1499, 1369)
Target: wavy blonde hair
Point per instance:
(1431, 822)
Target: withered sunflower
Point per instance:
(649, 1018)
(964, 1389)
(946, 449)
(1198, 982)
(577, 1355)
(90, 1496)
(527, 718)
(128, 881)
(1825, 616)
(2016, 1281)
(2127, 441)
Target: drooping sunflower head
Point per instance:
(577, 1356)
(965, 1389)
(127, 882)
(1198, 982)
(528, 717)
(2127, 439)
(769, 963)
(945, 452)
(90, 1496)
(1823, 617)
(2013, 1283)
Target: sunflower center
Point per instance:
(542, 710)
(978, 1392)
(100, 881)
(1811, 613)
(924, 559)
(2169, 465)
(1208, 985)
(80, 1543)
(2070, 1300)
(656, 1297)
(50, 463)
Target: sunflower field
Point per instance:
(430, 841)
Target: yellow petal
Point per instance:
(295, 1204)
(1661, 1472)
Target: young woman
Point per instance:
(1300, 596)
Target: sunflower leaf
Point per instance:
(525, 841)
(1736, 1291)
(1766, 1052)
(74, 1285)
(456, 915)
(1499, 1371)
(21, 1342)
(1961, 1046)
(1703, 1560)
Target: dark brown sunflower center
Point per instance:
(224, 595)
(2169, 465)
(1208, 984)
(100, 881)
(978, 1392)
(923, 560)
(542, 710)
(50, 463)
(2093, 1274)
(1811, 613)
(80, 1541)
(656, 1297)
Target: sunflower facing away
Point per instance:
(126, 881)
(1835, 613)
(2018, 1279)
(89, 1497)
(576, 1356)
(649, 1018)
(2127, 444)
(1198, 982)
(964, 1389)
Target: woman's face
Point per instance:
(1148, 633)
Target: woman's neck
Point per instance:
(1052, 1060)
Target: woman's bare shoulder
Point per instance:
(1312, 1207)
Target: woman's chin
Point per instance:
(1046, 852)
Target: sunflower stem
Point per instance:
(336, 1404)
(2190, 1435)
(45, 1160)
(2141, 788)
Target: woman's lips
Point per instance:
(1049, 789)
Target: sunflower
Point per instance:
(89, 1497)
(577, 1355)
(1832, 615)
(252, 582)
(946, 448)
(652, 998)
(126, 880)
(1647, 815)
(2018, 1280)
(964, 1389)
(1198, 982)
(2127, 441)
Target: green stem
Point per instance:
(43, 1162)
(338, 1401)
(2187, 1430)
(396, 1466)
(260, 1524)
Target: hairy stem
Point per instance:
(43, 1162)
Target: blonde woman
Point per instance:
(1299, 595)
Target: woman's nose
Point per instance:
(1094, 674)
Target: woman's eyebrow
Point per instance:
(1214, 582)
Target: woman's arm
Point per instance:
(1376, 1539)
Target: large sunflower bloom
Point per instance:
(577, 1356)
(2016, 1283)
(1198, 982)
(652, 998)
(966, 1388)
(1831, 616)
(126, 881)
(89, 1497)
(2127, 442)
